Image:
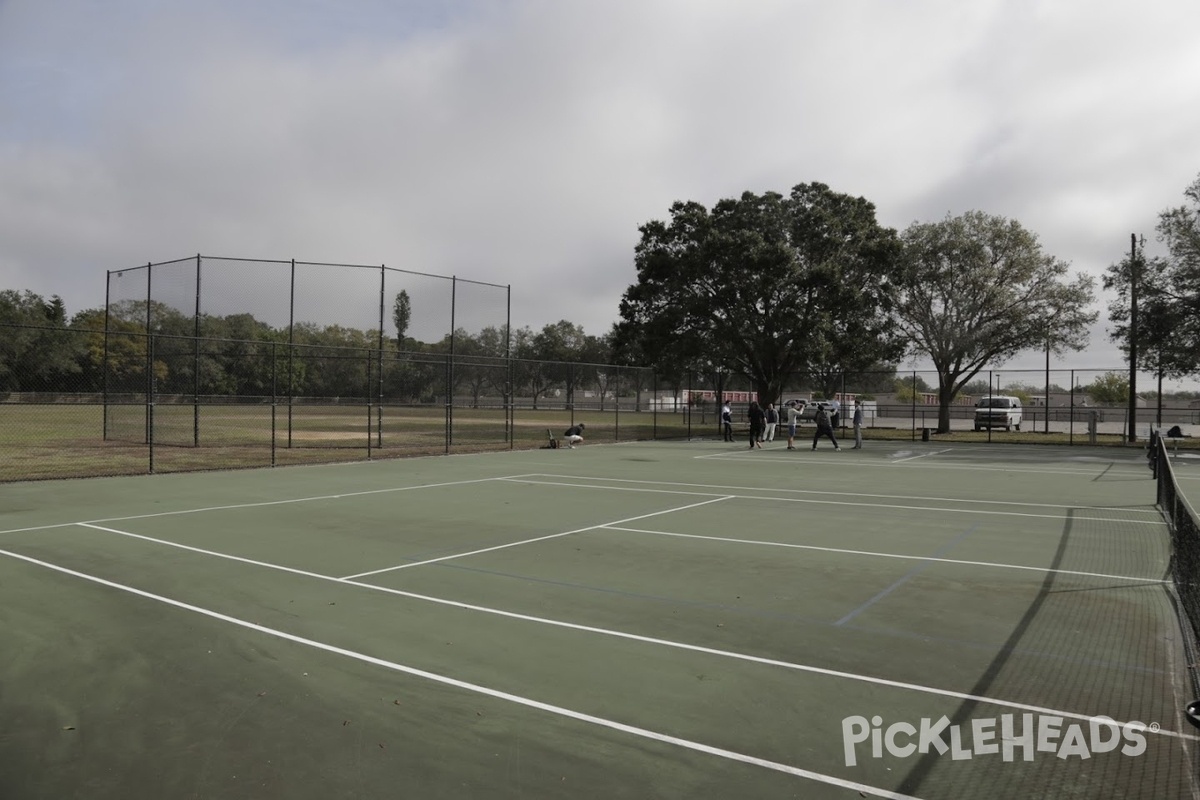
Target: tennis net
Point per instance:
(1185, 538)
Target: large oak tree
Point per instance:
(978, 289)
(765, 286)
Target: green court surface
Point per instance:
(650, 620)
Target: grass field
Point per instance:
(39, 441)
(63, 440)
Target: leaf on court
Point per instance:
(68, 727)
(345, 722)
(262, 694)
(381, 745)
(395, 702)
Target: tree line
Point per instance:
(766, 285)
(762, 291)
(42, 350)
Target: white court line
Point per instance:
(263, 504)
(849, 503)
(529, 541)
(858, 495)
(807, 668)
(484, 690)
(894, 555)
(922, 455)
(851, 461)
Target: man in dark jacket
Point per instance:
(758, 421)
(574, 435)
(824, 427)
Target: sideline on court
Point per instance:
(640, 620)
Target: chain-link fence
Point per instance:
(1068, 406)
(81, 402)
(164, 403)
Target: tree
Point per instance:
(36, 350)
(908, 387)
(561, 346)
(493, 343)
(401, 316)
(1111, 388)
(1168, 294)
(978, 289)
(763, 286)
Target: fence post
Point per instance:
(1071, 411)
(196, 364)
(369, 409)
(448, 385)
(291, 389)
(104, 360)
(914, 406)
(617, 402)
(274, 396)
(653, 404)
(379, 407)
(149, 368)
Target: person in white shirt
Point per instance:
(727, 422)
(793, 416)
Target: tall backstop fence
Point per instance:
(170, 326)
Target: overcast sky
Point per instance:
(522, 142)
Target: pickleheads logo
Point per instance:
(1004, 736)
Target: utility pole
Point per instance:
(1133, 335)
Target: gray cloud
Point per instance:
(524, 142)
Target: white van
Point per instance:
(998, 411)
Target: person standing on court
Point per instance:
(758, 421)
(793, 415)
(824, 427)
(727, 422)
(858, 423)
(772, 421)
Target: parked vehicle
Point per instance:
(808, 408)
(998, 411)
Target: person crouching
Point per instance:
(574, 435)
